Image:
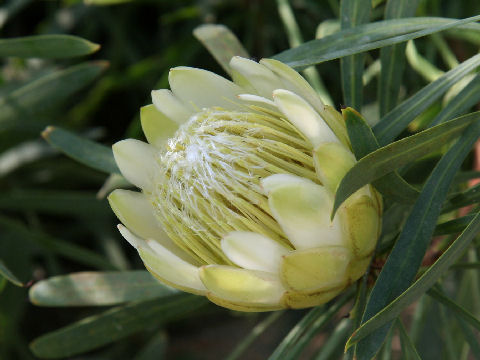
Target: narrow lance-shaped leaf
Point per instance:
(115, 324)
(426, 281)
(364, 142)
(352, 14)
(397, 154)
(392, 58)
(221, 43)
(392, 124)
(454, 307)
(368, 37)
(464, 100)
(406, 256)
(408, 348)
(97, 289)
(87, 152)
(68, 250)
(46, 92)
(7, 274)
(47, 47)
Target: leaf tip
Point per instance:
(48, 130)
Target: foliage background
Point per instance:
(52, 220)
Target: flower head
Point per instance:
(238, 181)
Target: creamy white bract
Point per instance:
(237, 184)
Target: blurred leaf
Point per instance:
(47, 47)
(85, 151)
(392, 124)
(97, 289)
(64, 203)
(115, 324)
(453, 226)
(155, 349)
(408, 348)
(367, 37)
(468, 197)
(390, 157)
(464, 100)
(295, 38)
(421, 65)
(387, 300)
(392, 58)
(352, 14)
(221, 43)
(7, 274)
(364, 142)
(63, 248)
(301, 335)
(46, 92)
(106, 2)
(426, 281)
(469, 336)
(254, 334)
(335, 341)
(454, 307)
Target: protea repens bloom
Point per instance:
(237, 187)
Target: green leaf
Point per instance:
(155, 349)
(406, 256)
(392, 58)
(46, 92)
(7, 274)
(390, 157)
(468, 197)
(106, 2)
(335, 341)
(85, 151)
(258, 330)
(464, 100)
(221, 43)
(368, 37)
(364, 142)
(65, 203)
(352, 14)
(47, 47)
(469, 336)
(408, 348)
(97, 289)
(453, 226)
(301, 335)
(115, 324)
(62, 248)
(454, 307)
(426, 281)
(392, 124)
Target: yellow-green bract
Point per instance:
(237, 185)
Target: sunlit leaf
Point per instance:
(47, 47)
(221, 43)
(97, 289)
(368, 37)
(393, 123)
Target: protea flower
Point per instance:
(237, 186)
